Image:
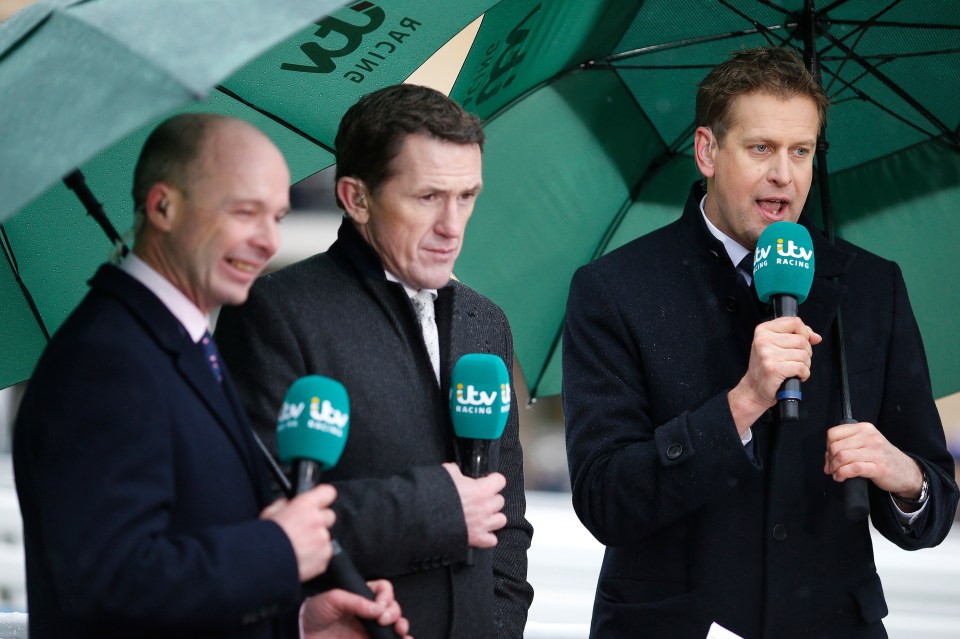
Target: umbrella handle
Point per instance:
(76, 182)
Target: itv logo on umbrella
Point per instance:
(502, 72)
(349, 35)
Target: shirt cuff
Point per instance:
(907, 519)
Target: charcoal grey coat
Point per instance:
(399, 514)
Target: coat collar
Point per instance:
(832, 261)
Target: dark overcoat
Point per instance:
(398, 513)
(696, 529)
(140, 485)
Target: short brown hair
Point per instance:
(777, 71)
(373, 130)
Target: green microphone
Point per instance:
(312, 428)
(783, 267)
(311, 433)
(479, 406)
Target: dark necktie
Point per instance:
(211, 355)
(745, 269)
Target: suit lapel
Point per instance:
(826, 293)
(186, 357)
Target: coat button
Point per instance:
(731, 304)
(674, 451)
(779, 532)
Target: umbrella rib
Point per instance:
(275, 118)
(861, 25)
(833, 6)
(899, 25)
(859, 94)
(893, 86)
(769, 4)
(891, 57)
(15, 269)
(653, 48)
(759, 25)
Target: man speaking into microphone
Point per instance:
(714, 506)
(379, 313)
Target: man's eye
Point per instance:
(761, 148)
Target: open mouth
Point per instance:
(246, 267)
(773, 207)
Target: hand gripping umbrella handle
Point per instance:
(856, 501)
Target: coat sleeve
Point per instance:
(909, 419)
(514, 594)
(98, 473)
(630, 476)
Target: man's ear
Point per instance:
(159, 207)
(352, 194)
(705, 149)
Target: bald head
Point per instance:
(210, 192)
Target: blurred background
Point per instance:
(923, 589)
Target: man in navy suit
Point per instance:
(146, 503)
(711, 509)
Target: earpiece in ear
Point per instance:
(162, 205)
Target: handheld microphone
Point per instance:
(479, 408)
(311, 433)
(783, 268)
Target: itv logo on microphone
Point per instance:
(322, 416)
(472, 401)
(785, 253)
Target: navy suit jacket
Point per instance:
(696, 530)
(140, 485)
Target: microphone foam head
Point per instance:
(783, 261)
(314, 421)
(479, 396)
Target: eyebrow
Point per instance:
(763, 140)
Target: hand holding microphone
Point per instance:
(480, 399)
(307, 520)
(311, 434)
(783, 270)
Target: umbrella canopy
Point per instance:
(589, 111)
(83, 82)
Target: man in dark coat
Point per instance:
(146, 504)
(408, 172)
(712, 510)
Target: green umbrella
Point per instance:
(82, 80)
(588, 109)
